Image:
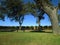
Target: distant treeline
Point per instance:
(13, 28)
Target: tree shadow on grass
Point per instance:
(7, 30)
(41, 31)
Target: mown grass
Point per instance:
(28, 38)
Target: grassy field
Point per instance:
(28, 38)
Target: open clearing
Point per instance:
(28, 38)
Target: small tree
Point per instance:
(13, 9)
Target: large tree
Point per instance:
(16, 11)
(13, 9)
(51, 10)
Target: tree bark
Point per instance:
(52, 13)
(54, 21)
(19, 26)
(17, 30)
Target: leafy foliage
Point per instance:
(41, 2)
(13, 9)
(16, 9)
(59, 5)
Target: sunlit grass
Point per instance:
(28, 38)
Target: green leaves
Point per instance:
(16, 9)
(59, 5)
(2, 17)
(59, 18)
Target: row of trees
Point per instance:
(23, 28)
(16, 10)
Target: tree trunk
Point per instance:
(19, 26)
(54, 21)
(52, 13)
(17, 30)
(39, 26)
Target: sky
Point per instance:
(29, 19)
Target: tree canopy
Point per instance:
(16, 9)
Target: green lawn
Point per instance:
(28, 38)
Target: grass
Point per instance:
(28, 38)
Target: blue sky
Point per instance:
(29, 20)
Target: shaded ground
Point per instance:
(42, 31)
(28, 38)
